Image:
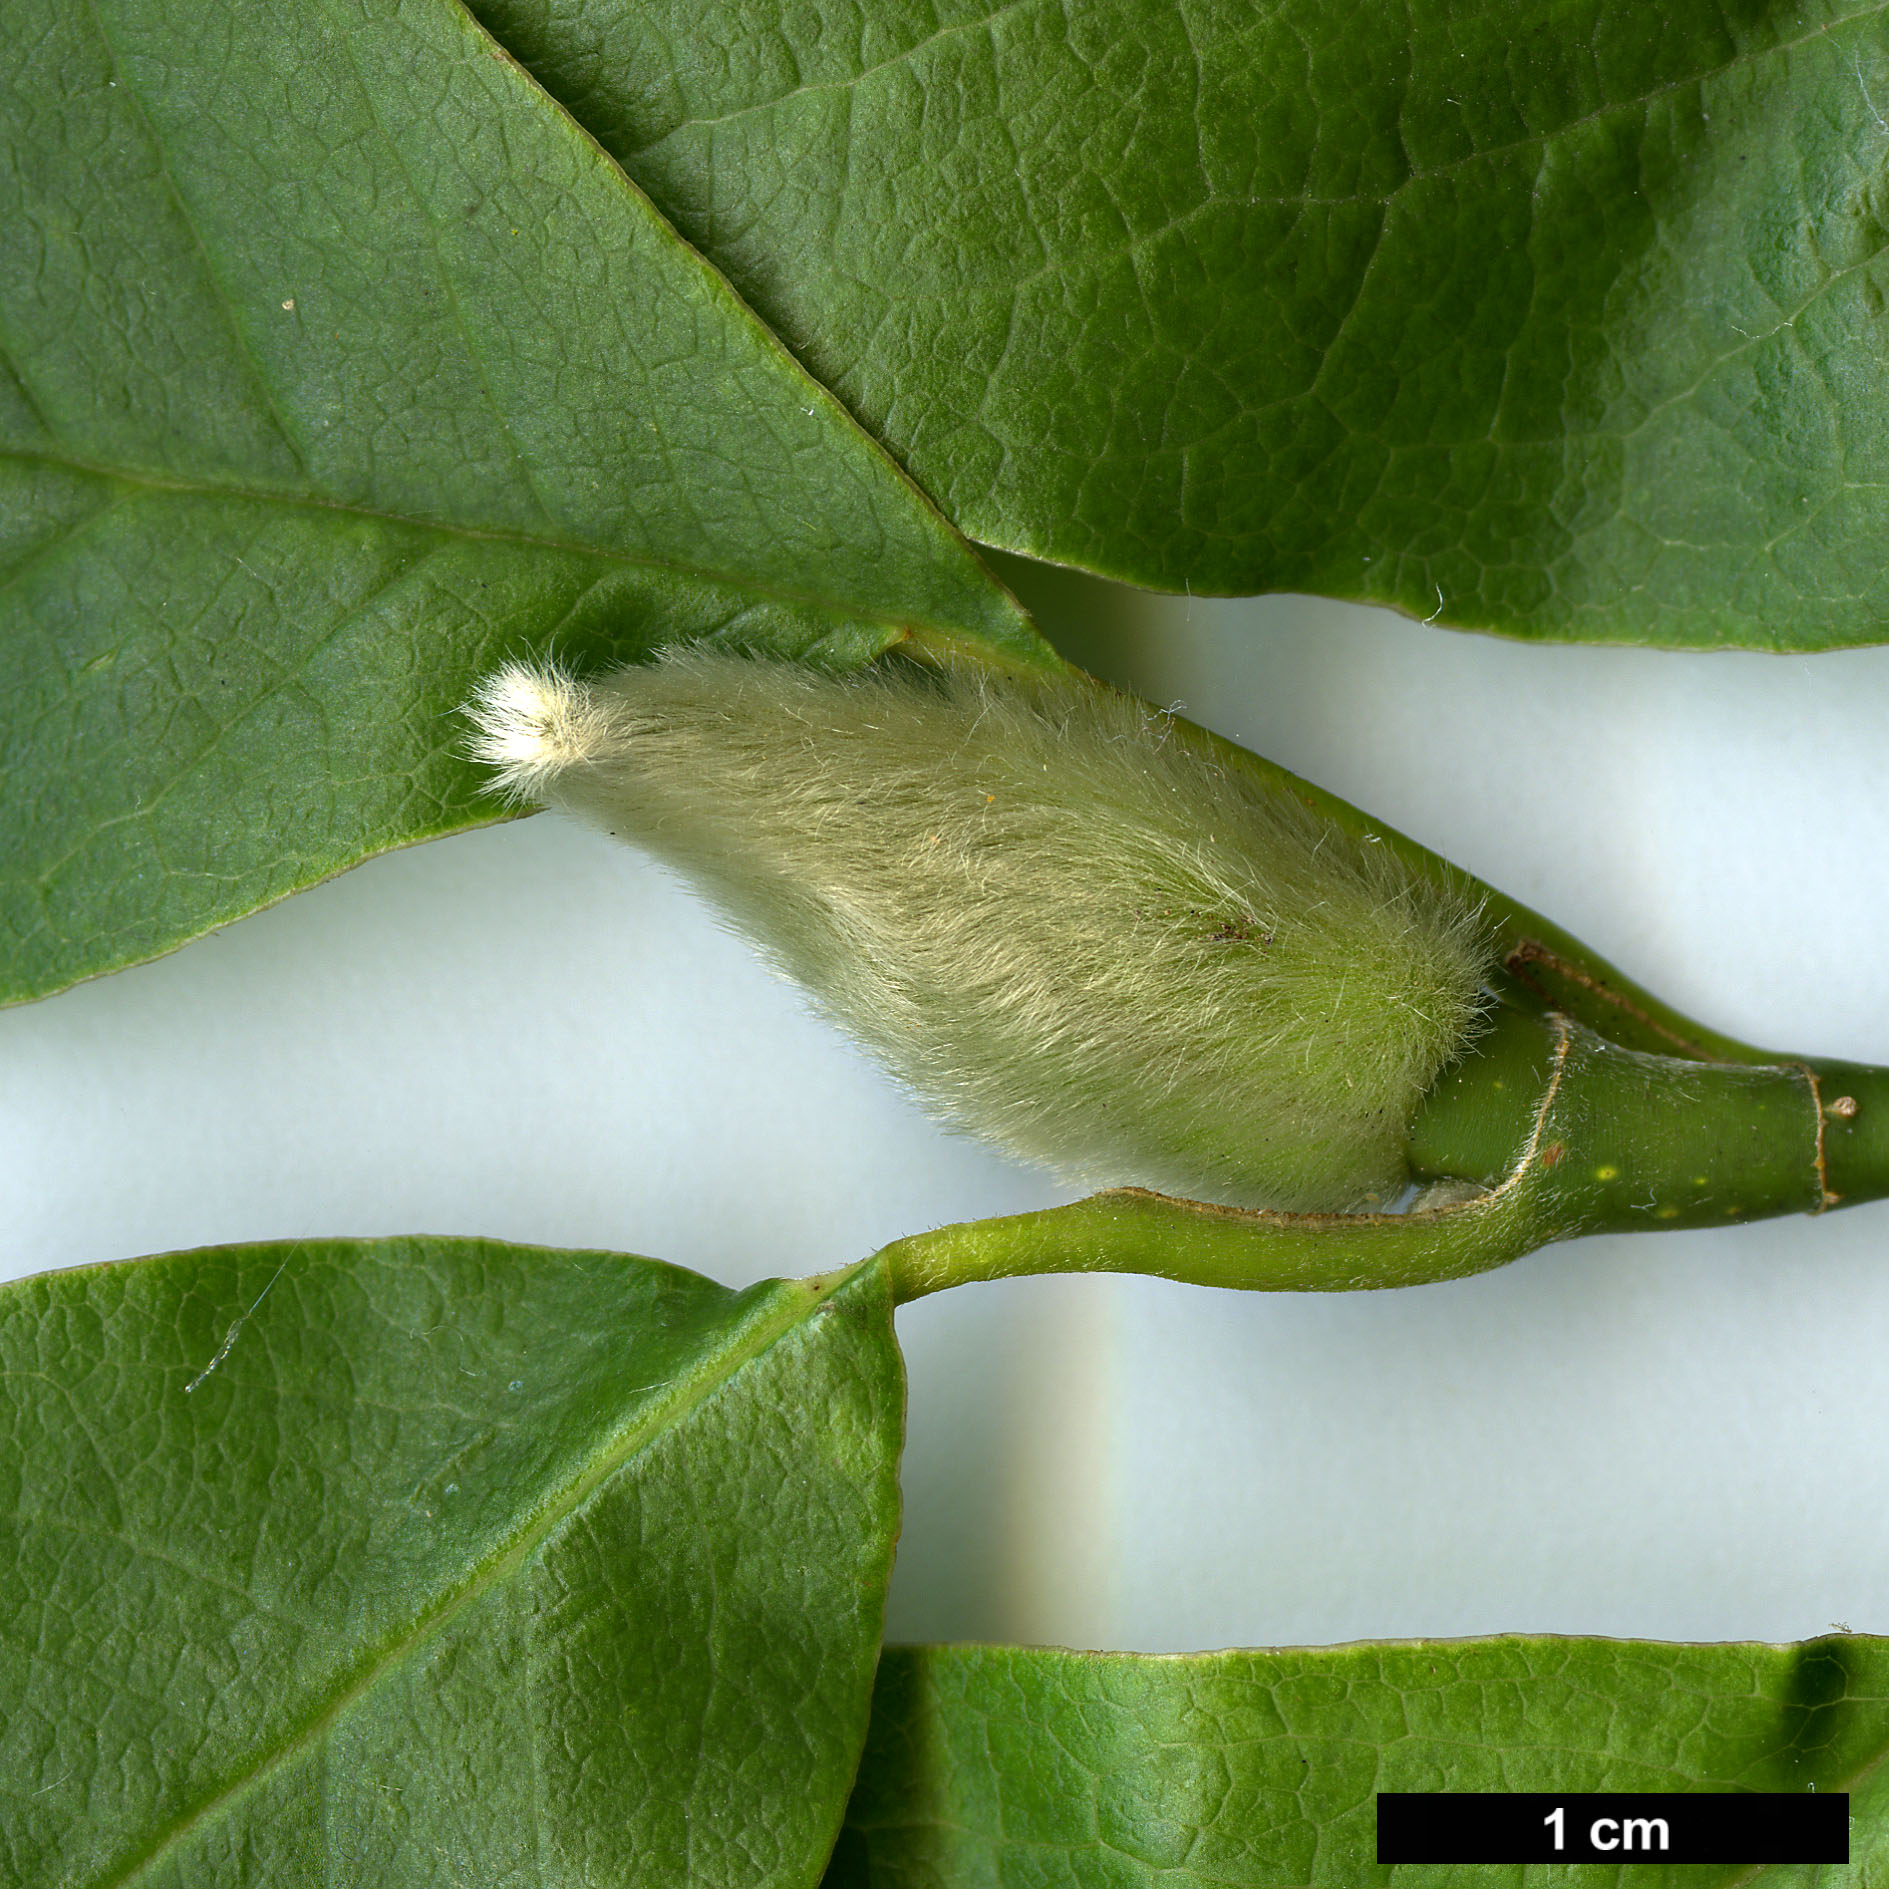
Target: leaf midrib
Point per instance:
(683, 1398)
(676, 567)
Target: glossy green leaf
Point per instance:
(991, 1766)
(418, 1562)
(1559, 319)
(335, 364)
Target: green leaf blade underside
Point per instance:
(464, 1562)
(1561, 320)
(990, 1766)
(337, 363)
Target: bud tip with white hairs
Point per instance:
(532, 725)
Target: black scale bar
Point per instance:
(1613, 1827)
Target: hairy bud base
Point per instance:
(1049, 910)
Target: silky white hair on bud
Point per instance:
(1049, 910)
(533, 725)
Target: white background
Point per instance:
(531, 1032)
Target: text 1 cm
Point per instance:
(1614, 1833)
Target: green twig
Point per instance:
(1546, 1132)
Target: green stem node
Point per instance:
(1545, 1131)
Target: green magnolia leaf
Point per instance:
(1560, 319)
(336, 363)
(1012, 1765)
(435, 1562)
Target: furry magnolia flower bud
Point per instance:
(1049, 910)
